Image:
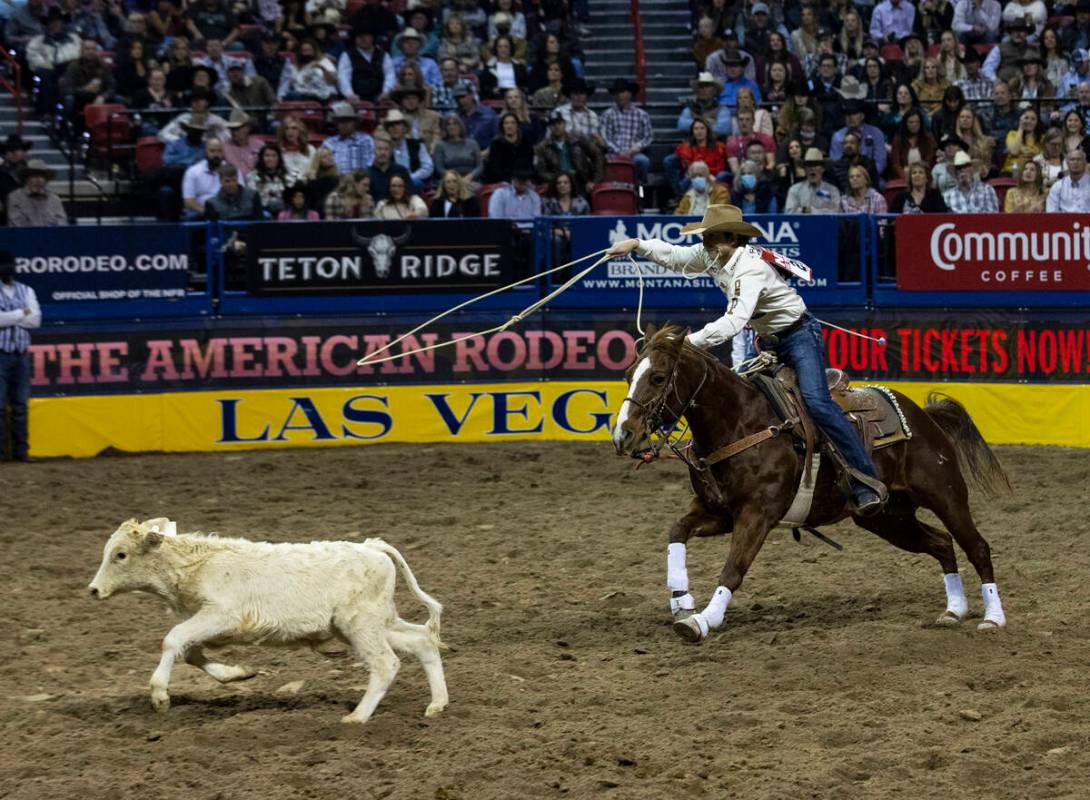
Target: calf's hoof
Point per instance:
(690, 629)
(434, 709)
(160, 700)
(353, 719)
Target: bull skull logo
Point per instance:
(382, 249)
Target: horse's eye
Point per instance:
(658, 380)
(121, 556)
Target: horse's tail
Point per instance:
(977, 459)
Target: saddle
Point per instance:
(873, 410)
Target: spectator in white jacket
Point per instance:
(48, 55)
(1071, 194)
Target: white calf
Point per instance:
(238, 591)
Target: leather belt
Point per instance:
(794, 326)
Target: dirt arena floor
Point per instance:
(826, 682)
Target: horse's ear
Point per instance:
(650, 331)
(677, 344)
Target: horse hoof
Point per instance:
(948, 619)
(689, 630)
(989, 625)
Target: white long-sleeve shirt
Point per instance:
(758, 293)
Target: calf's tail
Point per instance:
(435, 608)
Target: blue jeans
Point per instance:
(643, 166)
(15, 392)
(803, 350)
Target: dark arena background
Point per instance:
(198, 359)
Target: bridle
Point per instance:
(654, 411)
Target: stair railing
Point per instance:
(641, 55)
(14, 85)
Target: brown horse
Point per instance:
(749, 493)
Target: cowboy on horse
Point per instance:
(754, 279)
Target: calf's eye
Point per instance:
(121, 556)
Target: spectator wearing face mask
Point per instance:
(703, 191)
(752, 192)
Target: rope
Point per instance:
(877, 339)
(639, 306)
(370, 359)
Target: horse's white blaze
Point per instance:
(622, 415)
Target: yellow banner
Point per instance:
(223, 420)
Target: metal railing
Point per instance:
(14, 86)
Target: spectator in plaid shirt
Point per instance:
(626, 128)
(970, 195)
(580, 120)
(351, 148)
(442, 98)
(974, 85)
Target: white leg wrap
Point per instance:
(955, 595)
(993, 608)
(683, 603)
(677, 577)
(713, 613)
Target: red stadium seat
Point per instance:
(365, 110)
(620, 169)
(934, 49)
(891, 52)
(483, 195)
(149, 154)
(984, 49)
(110, 132)
(352, 7)
(316, 139)
(1002, 186)
(613, 198)
(495, 105)
(1059, 22)
(892, 189)
(309, 112)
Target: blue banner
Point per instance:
(103, 264)
(830, 245)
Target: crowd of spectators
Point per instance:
(289, 109)
(932, 104)
(298, 108)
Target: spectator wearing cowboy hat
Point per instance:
(418, 17)
(249, 91)
(377, 19)
(35, 205)
(626, 128)
(14, 150)
(705, 104)
(410, 43)
(241, 149)
(198, 114)
(974, 85)
(1033, 12)
(579, 118)
(977, 21)
(424, 124)
(49, 53)
(1032, 83)
(813, 195)
(214, 58)
(735, 64)
(352, 148)
(365, 71)
(872, 142)
(908, 68)
(407, 151)
(517, 198)
(969, 195)
(325, 32)
(1002, 61)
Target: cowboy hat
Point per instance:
(15, 142)
(329, 18)
(706, 78)
(190, 125)
(403, 90)
(814, 158)
(409, 33)
(1030, 58)
(393, 116)
(736, 59)
(582, 86)
(851, 88)
(854, 106)
(238, 119)
(38, 167)
(971, 56)
(962, 159)
(624, 85)
(722, 218)
(343, 110)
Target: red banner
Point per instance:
(993, 252)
